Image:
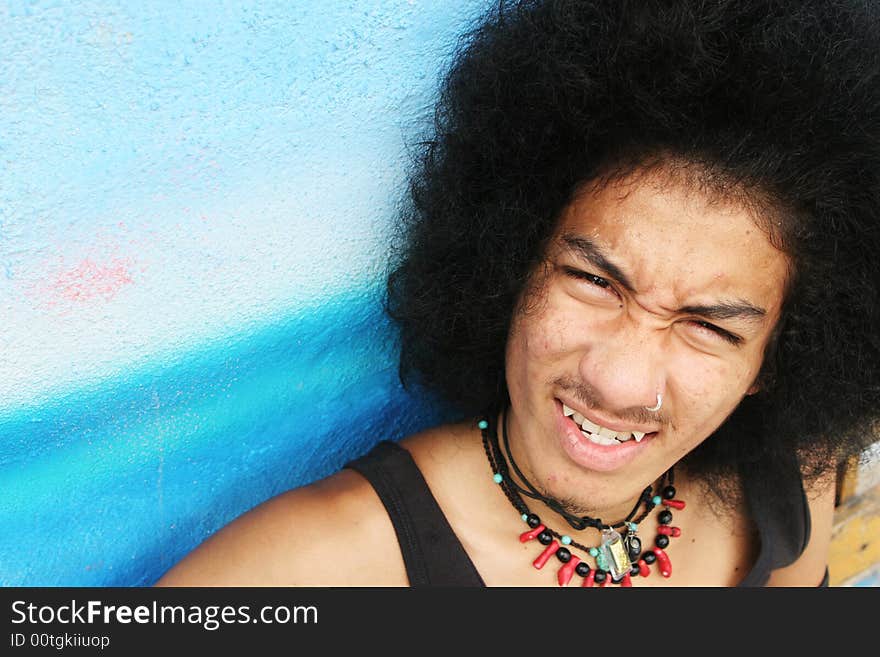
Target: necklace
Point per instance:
(618, 558)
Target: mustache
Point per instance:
(591, 399)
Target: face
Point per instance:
(648, 288)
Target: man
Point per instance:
(640, 259)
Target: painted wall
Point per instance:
(195, 202)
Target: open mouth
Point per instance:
(601, 435)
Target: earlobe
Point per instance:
(754, 388)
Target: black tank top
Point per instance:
(434, 556)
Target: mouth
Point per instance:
(600, 435)
(596, 447)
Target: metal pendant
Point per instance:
(615, 553)
(634, 547)
(632, 542)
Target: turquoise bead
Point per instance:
(566, 540)
(594, 552)
(525, 517)
(656, 500)
(483, 424)
(497, 478)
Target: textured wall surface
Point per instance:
(195, 203)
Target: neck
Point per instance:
(563, 512)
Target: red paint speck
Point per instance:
(91, 280)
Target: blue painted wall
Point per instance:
(195, 204)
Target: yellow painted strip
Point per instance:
(855, 538)
(847, 480)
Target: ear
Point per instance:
(754, 388)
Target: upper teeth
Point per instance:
(600, 433)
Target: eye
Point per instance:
(598, 281)
(715, 331)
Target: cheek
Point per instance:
(545, 337)
(537, 349)
(709, 392)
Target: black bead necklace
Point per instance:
(618, 559)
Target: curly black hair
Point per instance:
(777, 101)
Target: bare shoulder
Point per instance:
(334, 532)
(436, 448)
(451, 458)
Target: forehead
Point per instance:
(678, 244)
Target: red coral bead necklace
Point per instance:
(619, 557)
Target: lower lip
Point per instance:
(587, 454)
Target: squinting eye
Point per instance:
(586, 276)
(717, 331)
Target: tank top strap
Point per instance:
(778, 505)
(431, 551)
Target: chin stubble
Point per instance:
(570, 505)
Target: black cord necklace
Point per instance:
(577, 522)
(617, 558)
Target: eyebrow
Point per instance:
(586, 249)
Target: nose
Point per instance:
(626, 370)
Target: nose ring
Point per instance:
(659, 404)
